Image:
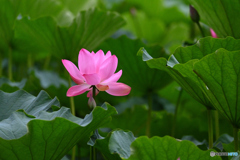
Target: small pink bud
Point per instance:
(214, 35)
(133, 11)
(178, 158)
(91, 102)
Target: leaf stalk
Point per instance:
(72, 107)
(176, 111)
(200, 28)
(93, 155)
(235, 135)
(210, 129)
(10, 63)
(0, 65)
(216, 124)
(149, 118)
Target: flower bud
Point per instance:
(214, 35)
(91, 103)
(133, 11)
(194, 14)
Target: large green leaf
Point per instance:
(135, 72)
(180, 64)
(45, 135)
(221, 15)
(88, 30)
(120, 142)
(143, 148)
(20, 99)
(166, 148)
(220, 73)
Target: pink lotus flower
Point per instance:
(95, 69)
(214, 35)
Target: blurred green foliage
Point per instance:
(36, 34)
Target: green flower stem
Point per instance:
(235, 135)
(93, 155)
(176, 111)
(73, 153)
(93, 92)
(216, 124)
(192, 31)
(29, 60)
(21, 69)
(210, 129)
(47, 62)
(10, 64)
(0, 65)
(91, 152)
(72, 107)
(199, 26)
(149, 118)
(79, 151)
